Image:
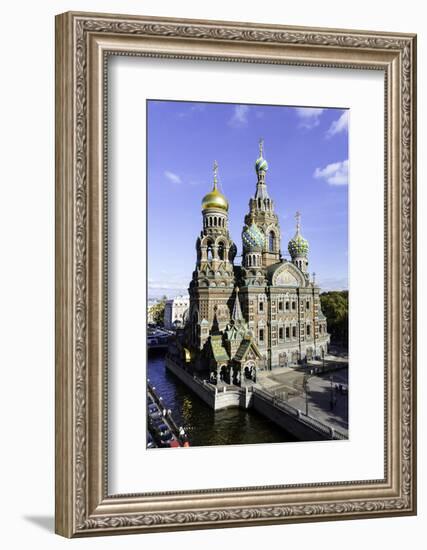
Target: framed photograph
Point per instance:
(235, 274)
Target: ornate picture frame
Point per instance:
(83, 43)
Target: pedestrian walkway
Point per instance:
(323, 401)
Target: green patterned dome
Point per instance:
(261, 164)
(298, 246)
(253, 238)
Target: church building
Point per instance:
(262, 314)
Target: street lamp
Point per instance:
(331, 378)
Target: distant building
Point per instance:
(263, 314)
(175, 312)
(150, 310)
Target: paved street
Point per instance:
(326, 402)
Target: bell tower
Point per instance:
(261, 213)
(212, 283)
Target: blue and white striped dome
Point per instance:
(253, 238)
(261, 164)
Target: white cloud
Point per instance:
(309, 116)
(240, 116)
(335, 173)
(171, 176)
(338, 126)
(195, 108)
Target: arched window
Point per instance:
(209, 252)
(272, 241)
(221, 251)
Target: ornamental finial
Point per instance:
(215, 173)
(261, 147)
(298, 219)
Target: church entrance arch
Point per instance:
(249, 370)
(222, 376)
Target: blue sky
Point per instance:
(307, 152)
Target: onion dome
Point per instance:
(253, 238)
(298, 246)
(215, 199)
(261, 164)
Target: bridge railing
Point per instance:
(324, 429)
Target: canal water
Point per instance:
(205, 426)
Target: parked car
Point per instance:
(153, 411)
(160, 427)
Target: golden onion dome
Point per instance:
(215, 199)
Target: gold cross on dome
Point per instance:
(298, 219)
(215, 172)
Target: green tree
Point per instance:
(335, 307)
(157, 311)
